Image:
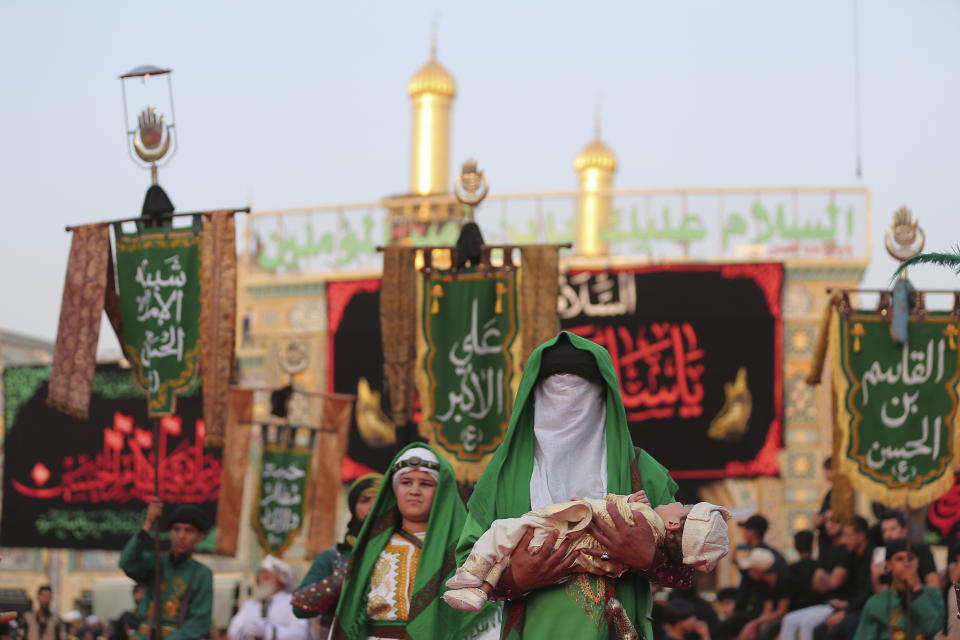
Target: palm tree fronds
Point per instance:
(938, 258)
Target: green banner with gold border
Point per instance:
(159, 277)
(897, 406)
(282, 496)
(467, 364)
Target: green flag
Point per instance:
(897, 406)
(468, 355)
(281, 496)
(159, 277)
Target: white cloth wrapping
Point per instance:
(492, 551)
(278, 624)
(705, 537)
(570, 453)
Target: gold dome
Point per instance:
(432, 78)
(596, 155)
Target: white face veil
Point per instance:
(570, 450)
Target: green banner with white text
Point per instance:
(282, 496)
(467, 364)
(897, 406)
(159, 277)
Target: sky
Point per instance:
(287, 104)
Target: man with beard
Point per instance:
(268, 614)
(42, 624)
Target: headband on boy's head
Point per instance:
(416, 459)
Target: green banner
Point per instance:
(467, 354)
(282, 496)
(159, 278)
(897, 406)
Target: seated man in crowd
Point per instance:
(893, 526)
(771, 595)
(830, 581)
(907, 606)
(842, 623)
(680, 622)
(802, 571)
(268, 615)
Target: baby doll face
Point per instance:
(672, 513)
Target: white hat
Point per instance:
(281, 569)
(73, 616)
(705, 539)
(416, 459)
(759, 558)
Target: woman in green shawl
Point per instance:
(403, 556)
(575, 443)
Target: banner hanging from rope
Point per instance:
(468, 363)
(159, 277)
(897, 405)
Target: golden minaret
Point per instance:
(595, 165)
(432, 90)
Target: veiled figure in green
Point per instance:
(567, 435)
(403, 555)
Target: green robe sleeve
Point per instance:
(655, 478)
(468, 536)
(136, 561)
(872, 624)
(928, 611)
(321, 568)
(199, 616)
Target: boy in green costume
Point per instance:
(186, 586)
(575, 443)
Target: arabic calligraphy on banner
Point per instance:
(89, 491)
(467, 343)
(697, 352)
(663, 224)
(898, 406)
(159, 278)
(282, 496)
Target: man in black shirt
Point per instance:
(828, 582)
(802, 570)
(842, 623)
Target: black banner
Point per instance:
(698, 352)
(355, 351)
(84, 484)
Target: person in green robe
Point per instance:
(403, 556)
(908, 606)
(186, 585)
(568, 438)
(318, 592)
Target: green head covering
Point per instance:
(429, 617)
(503, 490)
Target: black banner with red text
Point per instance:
(698, 351)
(84, 484)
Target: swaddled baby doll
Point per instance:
(694, 535)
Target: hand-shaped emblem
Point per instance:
(148, 144)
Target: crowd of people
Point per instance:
(853, 581)
(567, 440)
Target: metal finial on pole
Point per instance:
(597, 116)
(433, 35)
